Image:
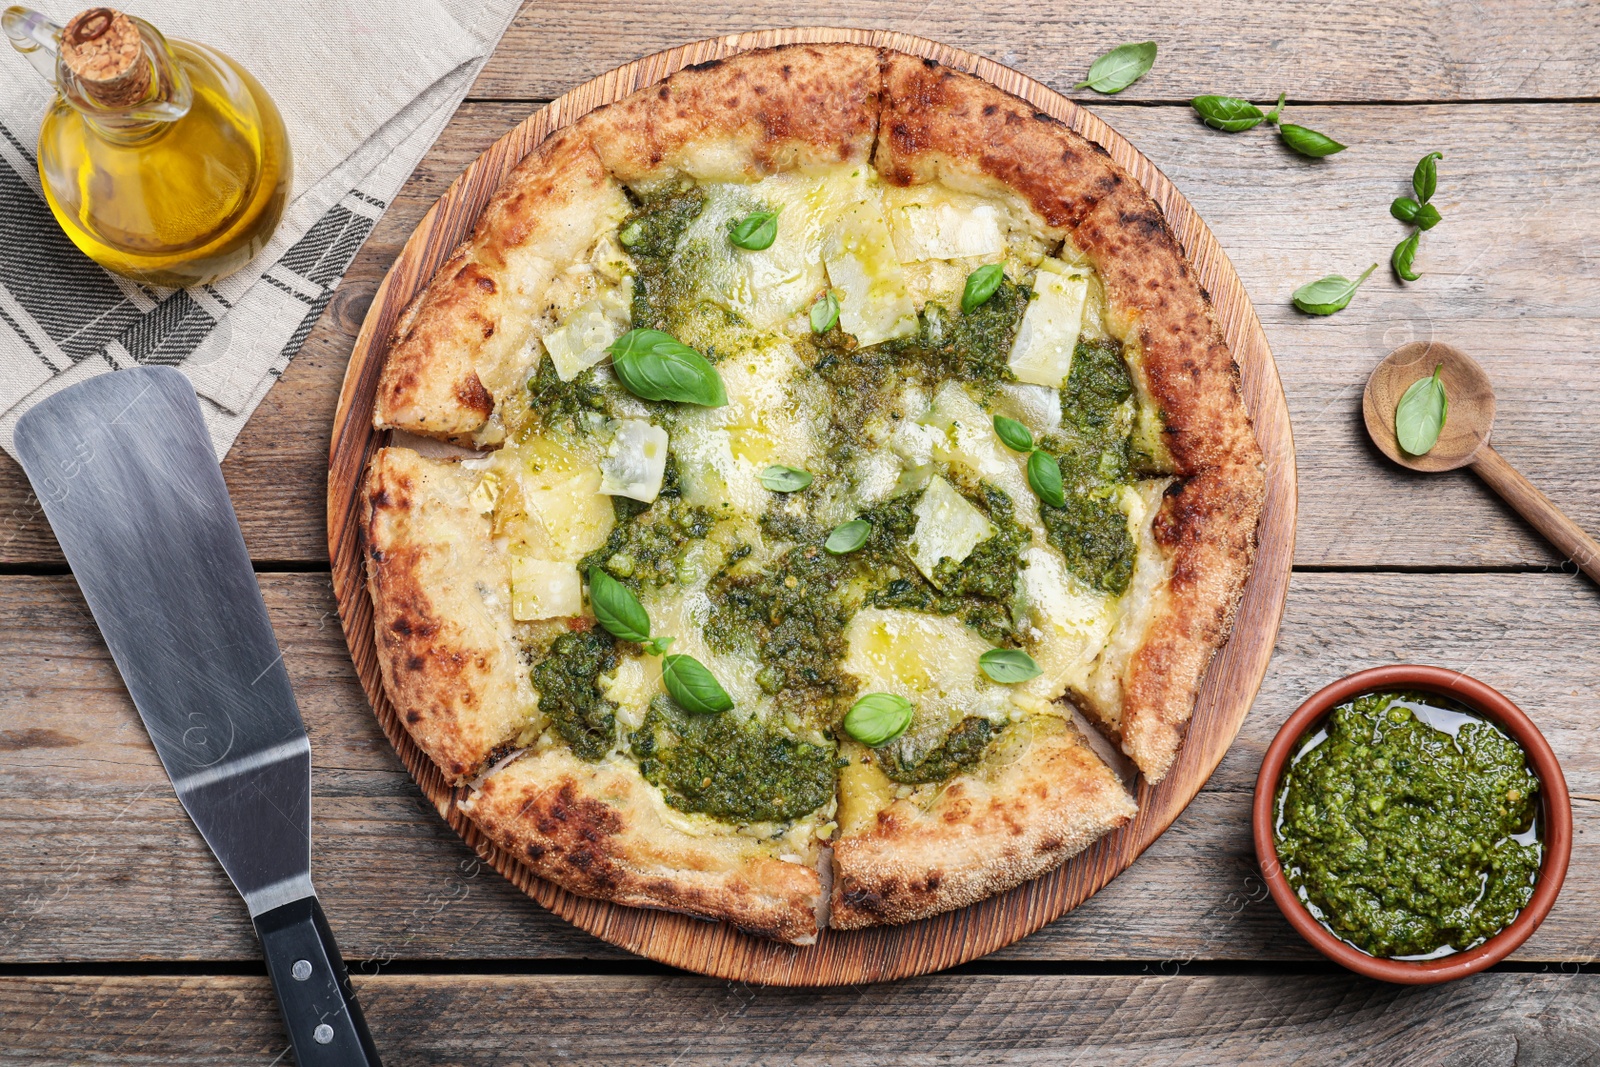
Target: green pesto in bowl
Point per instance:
(1407, 825)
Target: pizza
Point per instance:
(840, 446)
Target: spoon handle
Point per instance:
(1537, 508)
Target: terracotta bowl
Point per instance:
(1555, 821)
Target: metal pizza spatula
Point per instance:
(124, 470)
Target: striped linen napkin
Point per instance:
(365, 87)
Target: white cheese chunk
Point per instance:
(944, 230)
(1042, 351)
(969, 443)
(1072, 622)
(635, 461)
(874, 304)
(1036, 406)
(581, 339)
(948, 527)
(544, 589)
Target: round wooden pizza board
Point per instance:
(889, 952)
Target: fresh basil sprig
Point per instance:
(981, 285)
(1044, 478)
(1232, 115)
(756, 231)
(1008, 666)
(1227, 113)
(1016, 436)
(1120, 67)
(781, 479)
(657, 366)
(1421, 413)
(693, 686)
(1308, 142)
(878, 718)
(1327, 295)
(824, 313)
(848, 536)
(620, 612)
(1418, 212)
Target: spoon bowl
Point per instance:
(1467, 423)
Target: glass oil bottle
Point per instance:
(164, 161)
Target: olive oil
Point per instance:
(163, 161)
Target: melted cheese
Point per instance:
(636, 461)
(874, 303)
(544, 589)
(948, 527)
(969, 444)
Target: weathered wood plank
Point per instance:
(1411, 50)
(1138, 1021)
(1510, 276)
(102, 858)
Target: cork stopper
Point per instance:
(104, 51)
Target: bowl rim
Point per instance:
(1555, 814)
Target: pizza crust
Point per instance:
(441, 612)
(740, 118)
(463, 344)
(601, 831)
(1036, 800)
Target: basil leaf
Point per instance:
(1425, 178)
(824, 313)
(1276, 112)
(1403, 254)
(1308, 142)
(1405, 209)
(1016, 436)
(1428, 217)
(618, 610)
(657, 366)
(1044, 478)
(693, 687)
(848, 536)
(981, 285)
(1227, 113)
(878, 718)
(657, 646)
(1327, 295)
(1120, 67)
(1421, 414)
(1008, 666)
(781, 479)
(755, 231)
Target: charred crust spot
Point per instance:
(787, 71)
(1048, 120)
(488, 330)
(710, 64)
(931, 64)
(990, 109)
(1098, 147)
(415, 663)
(413, 716)
(484, 282)
(473, 395)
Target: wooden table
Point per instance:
(121, 941)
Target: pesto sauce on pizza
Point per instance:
(1094, 452)
(729, 767)
(773, 595)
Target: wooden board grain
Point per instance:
(101, 858)
(885, 952)
(1511, 275)
(1530, 1020)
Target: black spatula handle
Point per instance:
(319, 1006)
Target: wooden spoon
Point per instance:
(1464, 442)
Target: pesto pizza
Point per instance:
(833, 428)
